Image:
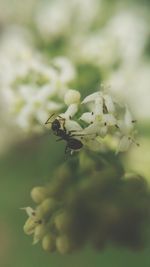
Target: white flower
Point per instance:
(126, 127)
(100, 116)
(105, 118)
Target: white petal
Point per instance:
(29, 211)
(128, 119)
(73, 126)
(109, 103)
(87, 117)
(91, 97)
(124, 144)
(70, 112)
(92, 129)
(98, 106)
(103, 131)
(126, 126)
(109, 119)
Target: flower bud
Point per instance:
(61, 221)
(38, 194)
(72, 97)
(48, 242)
(29, 226)
(39, 233)
(47, 206)
(63, 244)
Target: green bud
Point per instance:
(48, 243)
(29, 226)
(62, 221)
(47, 207)
(39, 232)
(63, 173)
(38, 194)
(63, 244)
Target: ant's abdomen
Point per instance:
(74, 144)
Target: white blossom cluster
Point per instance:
(31, 87)
(62, 18)
(102, 121)
(121, 40)
(115, 45)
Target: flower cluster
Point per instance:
(110, 46)
(31, 87)
(61, 18)
(101, 121)
(95, 203)
(95, 39)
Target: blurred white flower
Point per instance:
(131, 31)
(120, 41)
(31, 87)
(65, 69)
(132, 85)
(98, 48)
(61, 18)
(52, 19)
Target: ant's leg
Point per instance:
(73, 131)
(49, 119)
(67, 149)
(67, 152)
(74, 135)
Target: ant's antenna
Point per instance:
(48, 121)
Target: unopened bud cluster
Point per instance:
(97, 204)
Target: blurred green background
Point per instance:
(29, 163)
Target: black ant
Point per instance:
(60, 131)
(56, 125)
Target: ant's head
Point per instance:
(56, 125)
